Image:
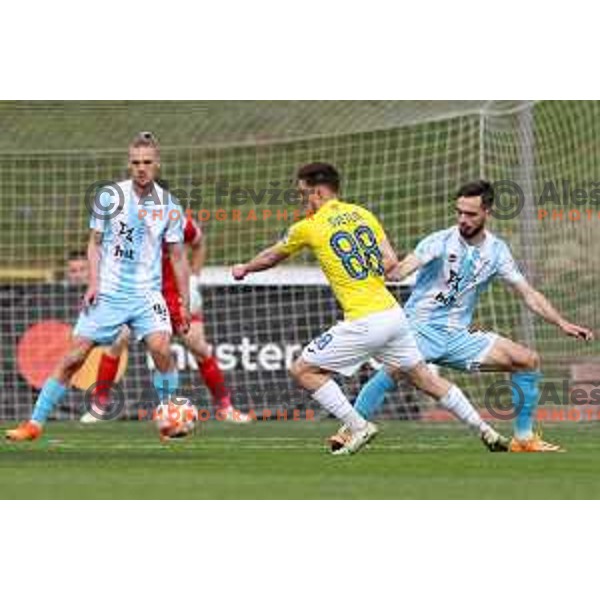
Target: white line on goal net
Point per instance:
(283, 275)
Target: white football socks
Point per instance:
(458, 404)
(331, 397)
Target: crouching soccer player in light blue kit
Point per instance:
(130, 222)
(455, 265)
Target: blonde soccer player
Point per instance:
(189, 329)
(124, 288)
(354, 253)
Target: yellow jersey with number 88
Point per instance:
(345, 240)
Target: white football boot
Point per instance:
(90, 418)
(357, 440)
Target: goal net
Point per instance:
(232, 164)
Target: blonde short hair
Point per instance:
(145, 139)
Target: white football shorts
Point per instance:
(385, 336)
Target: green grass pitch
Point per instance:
(288, 461)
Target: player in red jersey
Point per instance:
(189, 326)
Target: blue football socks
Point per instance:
(525, 395)
(52, 393)
(372, 394)
(165, 384)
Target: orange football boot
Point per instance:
(173, 432)
(27, 431)
(533, 444)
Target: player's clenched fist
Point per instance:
(90, 297)
(577, 331)
(239, 271)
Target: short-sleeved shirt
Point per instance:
(453, 274)
(345, 239)
(130, 264)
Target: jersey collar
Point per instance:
(484, 242)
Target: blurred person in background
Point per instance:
(77, 270)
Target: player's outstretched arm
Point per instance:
(266, 259)
(540, 305)
(94, 253)
(390, 258)
(402, 269)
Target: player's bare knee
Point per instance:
(428, 381)
(197, 345)
(303, 372)
(202, 352)
(162, 360)
(419, 375)
(297, 369)
(122, 340)
(396, 373)
(69, 365)
(160, 350)
(118, 347)
(531, 361)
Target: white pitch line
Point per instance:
(208, 445)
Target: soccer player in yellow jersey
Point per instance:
(355, 255)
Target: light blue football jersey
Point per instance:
(453, 275)
(131, 263)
